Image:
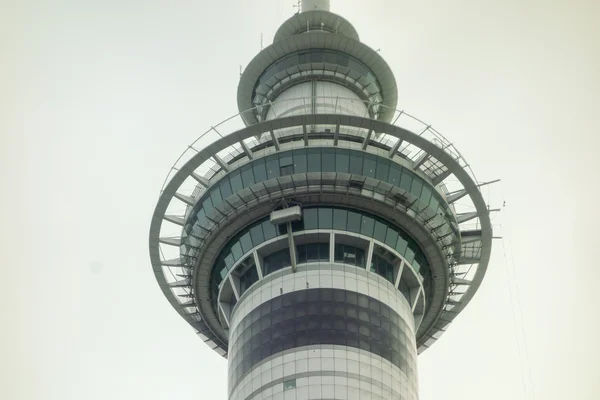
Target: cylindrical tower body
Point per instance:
(328, 331)
(320, 249)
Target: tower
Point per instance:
(319, 248)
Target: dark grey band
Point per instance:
(320, 316)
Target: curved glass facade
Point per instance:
(324, 159)
(321, 218)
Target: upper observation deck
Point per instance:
(404, 204)
(316, 46)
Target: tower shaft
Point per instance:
(311, 5)
(327, 331)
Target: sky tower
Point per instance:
(318, 245)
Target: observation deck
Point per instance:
(462, 238)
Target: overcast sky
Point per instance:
(98, 99)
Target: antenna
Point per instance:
(261, 41)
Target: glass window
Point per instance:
(229, 261)
(248, 278)
(207, 205)
(276, 261)
(260, 171)
(416, 188)
(409, 255)
(404, 289)
(341, 160)
(301, 251)
(247, 176)
(426, 194)
(323, 251)
(356, 162)
(285, 159)
(391, 238)
(313, 157)
(416, 265)
(394, 176)
(215, 196)
(269, 230)
(434, 202)
(369, 165)
(367, 226)
(236, 251)
(300, 161)
(354, 221)
(382, 268)
(349, 255)
(380, 231)
(272, 163)
(287, 170)
(256, 233)
(225, 188)
(328, 160)
(246, 242)
(312, 252)
(383, 170)
(236, 182)
(311, 218)
(291, 384)
(340, 218)
(325, 218)
(406, 180)
(401, 245)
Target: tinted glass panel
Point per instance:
(367, 226)
(354, 222)
(340, 218)
(225, 188)
(247, 279)
(269, 230)
(236, 182)
(328, 160)
(300, 162)
(309, 317)
(247, 176)
(313, 157)
(356, 162)
(260, 171)
(256, 233)
(246, 242)
(341, 161)
(383, 169)
(406, 180)
(272, 165)
(325, 218)
(311, 218)
(369, 165)
(349, 255)
(380, 231)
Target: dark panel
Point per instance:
(319, 316)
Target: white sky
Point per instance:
(98, 98)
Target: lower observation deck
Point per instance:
(409, 175)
